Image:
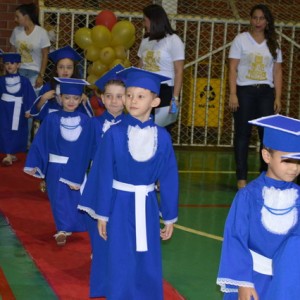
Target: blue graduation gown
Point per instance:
(16, 98)
(53, 105)
(99, 246)
(131, 274)
(59, 161)
(244, 230)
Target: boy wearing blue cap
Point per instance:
(120, 194)
(263, 219)
(16, 98)
(112, 94)
(65, 60)
(63, 138)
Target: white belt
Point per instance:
(58, 159)
(17, 108)
(141, 191)
(261, 264)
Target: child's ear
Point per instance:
(266, 155)
(155, 102)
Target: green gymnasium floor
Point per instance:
(190, 259)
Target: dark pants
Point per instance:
(165, 95)
(254, 102)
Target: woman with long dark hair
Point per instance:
(162, 52)
(255, 82)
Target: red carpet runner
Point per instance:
(28, 210)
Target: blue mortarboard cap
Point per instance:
(65, 52)
(280, 132)
(135, 77)
(11, 57)
(71, 86)
(110, 75)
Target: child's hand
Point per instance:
(166, 232)
(247, 293)
(48, 95)
(31, 172)
(27, 115)
(102, 229)
(73, 187)
(84, 98)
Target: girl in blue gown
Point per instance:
(55, 154)
(65, 60)
(16, 98)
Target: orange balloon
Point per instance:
(83, 37)
(106, 18)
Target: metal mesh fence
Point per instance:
(207, 29)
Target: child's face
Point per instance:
(113, 99)
(11, 68)
(279, 168)
(70, 102)
(139, 102)
(65, 68)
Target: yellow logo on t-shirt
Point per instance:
(150, 61)
(257, 69)
(25, 53)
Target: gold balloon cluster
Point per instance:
(106, 44)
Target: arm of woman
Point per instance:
(277, 73)
(178, 78)
(39, 80)
(233, 99)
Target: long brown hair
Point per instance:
(270, 33)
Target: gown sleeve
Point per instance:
(236, 266)
(169, 185)
(97, 193)
(38, 155)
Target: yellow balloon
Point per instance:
(90, 69)
(83, 37)
(98, 68)
(129, 43)
(101, 36)
(122, 33)
(126, 63)
(91, 53)
(91, 79)
(116, 62)
(120, 52)
(107, 55)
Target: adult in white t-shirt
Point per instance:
(32, 42)
(162, 51)
(255, 82)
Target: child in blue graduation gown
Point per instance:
(263, 223)
(112, 95)
(16, 98)
(120, 193)
(63, 139)
(65, 60)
